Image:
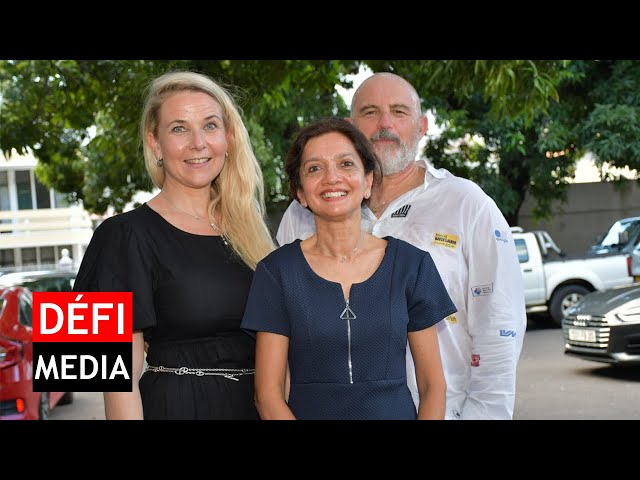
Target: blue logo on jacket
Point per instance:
(507, 333)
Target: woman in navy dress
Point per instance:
(188, 256)
(338, 308)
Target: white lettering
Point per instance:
(46, 370)
(43, 318)
(66, 366)
(83, 371)
(121, 370)
(97, 316)
(120, 318)
(73, 317)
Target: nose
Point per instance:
(331, 174)
(198, 140)
(385, 120)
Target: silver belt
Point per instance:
(230, 373)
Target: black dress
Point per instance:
(189, 295)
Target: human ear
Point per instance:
(302, 199)
(153, 144)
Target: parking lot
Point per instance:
(551, 386)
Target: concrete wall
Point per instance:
(590, 210)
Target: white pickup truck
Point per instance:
(558, 283)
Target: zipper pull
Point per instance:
(347, 313)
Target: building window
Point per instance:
(43, 198)
(4, 192)
(47, 255)
(23, 185)
(29, 256)
(6, 258)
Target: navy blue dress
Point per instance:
(348, 368)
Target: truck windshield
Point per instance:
(613, 235)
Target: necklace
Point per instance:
(197, 217)
(349, 256)
(343, 258)
(216, 229)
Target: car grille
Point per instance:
(597, 323)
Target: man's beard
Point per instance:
(394, 158)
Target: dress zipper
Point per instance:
(348, 315)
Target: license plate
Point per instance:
(582, 335)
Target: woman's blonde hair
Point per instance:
(237, 193)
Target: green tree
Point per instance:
(512, 126)
(52, 107)
(570, 108)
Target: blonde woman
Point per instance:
(188, 255)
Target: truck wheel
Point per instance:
(563, 299)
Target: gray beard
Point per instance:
(394, 159)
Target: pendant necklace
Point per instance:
(197, 217)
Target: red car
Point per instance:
(18, 401)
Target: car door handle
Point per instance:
(528, 270)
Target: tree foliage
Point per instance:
(523, 128)
(513, 126)
(80, 118)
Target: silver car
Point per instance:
(605, 327)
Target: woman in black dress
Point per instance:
(188, 256)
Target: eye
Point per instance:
(400, 113)
(369, 113)
(313, 168)
(348, 163)
(210, 126)
(178, 129)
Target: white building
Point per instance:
(37, 223)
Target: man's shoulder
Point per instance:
(297, 222)
(408, 251)
(296, 210)
(458, 187)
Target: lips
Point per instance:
(335, 194)
(197, 161)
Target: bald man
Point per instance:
(465, 233)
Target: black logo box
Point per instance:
(44, 351)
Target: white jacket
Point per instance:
(471, 244)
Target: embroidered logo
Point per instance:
(401, 212)
(445, 240)
(507, 333)
(452, 319)
(501, 236)
(482, 290)
(475, 360)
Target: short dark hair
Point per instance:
(361, 143)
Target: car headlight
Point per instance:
(629, 314)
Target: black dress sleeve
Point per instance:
(430, 301)
(118, 260)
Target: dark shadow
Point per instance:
(540, 321)
(614, 372)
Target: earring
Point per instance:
(367, 195)
(226, 155)
(160, 162)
